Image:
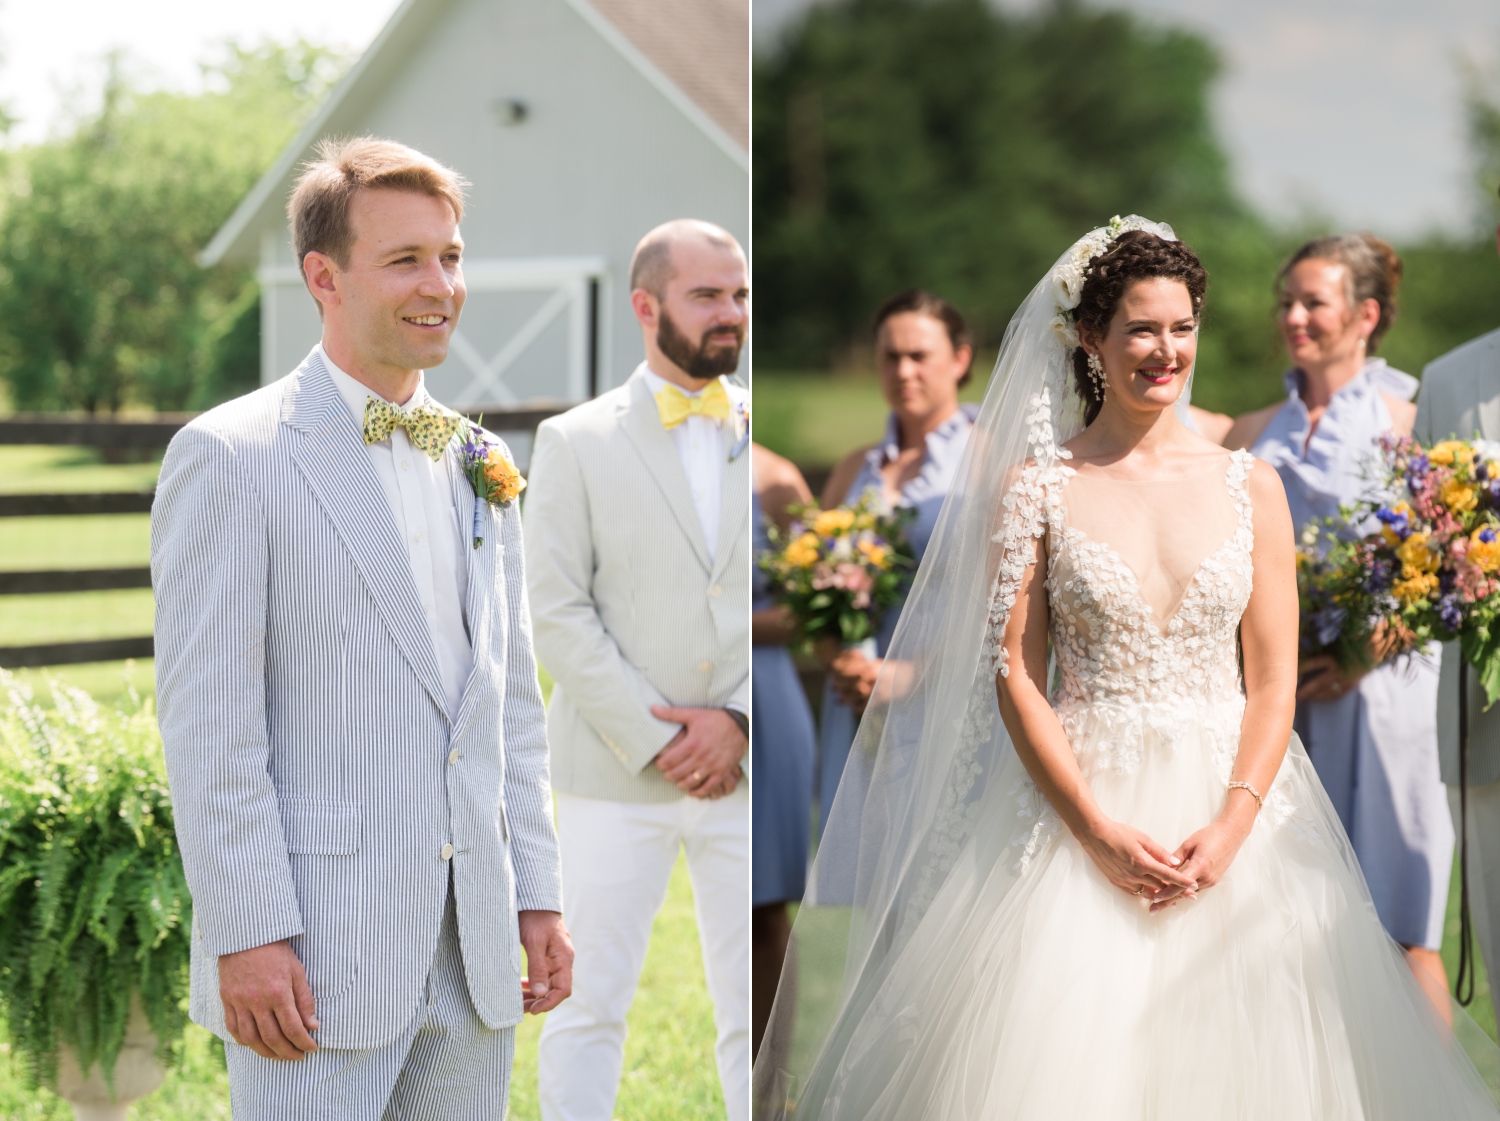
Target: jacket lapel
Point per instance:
(653, 443)
(734, 505)
(482, 565)
(336, 464)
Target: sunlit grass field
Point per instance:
(669, 1072)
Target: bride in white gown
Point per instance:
(1128, 899)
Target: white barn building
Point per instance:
(581, 124)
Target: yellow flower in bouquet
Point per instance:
(1450, 452)
(1417, 557)
(832, 523)
(878, 555)
(803, 552)
(1458, 497)
(1484, 548)
(1415, 589)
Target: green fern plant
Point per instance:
(93, 903)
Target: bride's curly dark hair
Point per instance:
(1135, 255)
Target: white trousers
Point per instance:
(444, 1066)
(617, 858)
(1484, 869)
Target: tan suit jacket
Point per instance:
(628, 608)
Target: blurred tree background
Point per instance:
(102, 302)
(956, 146)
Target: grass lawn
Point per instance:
(815, 418)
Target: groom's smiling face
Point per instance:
(400, 294)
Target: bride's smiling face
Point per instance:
(1149, 349)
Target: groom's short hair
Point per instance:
(319, 206)
(651, 265)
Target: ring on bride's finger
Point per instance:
(1140, 889)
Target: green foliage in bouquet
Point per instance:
(1337, 597)
(93, 902)
(838, 571)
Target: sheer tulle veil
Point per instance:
(931, 746)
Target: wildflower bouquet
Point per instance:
(1434, 564)
(839, 570)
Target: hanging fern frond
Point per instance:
(94, 906)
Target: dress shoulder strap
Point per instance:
(1237, 477)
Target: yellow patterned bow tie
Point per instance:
(676, 406)
(428, 427)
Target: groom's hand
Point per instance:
(704, 754)
(268, 1005)
(549, 961)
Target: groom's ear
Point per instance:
(320, 271)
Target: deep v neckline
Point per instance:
(1072, 534)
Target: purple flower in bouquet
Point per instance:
(1329, 623)
(1398, 521)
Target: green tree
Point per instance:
(102, 302)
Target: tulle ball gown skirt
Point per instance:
(1034, 989)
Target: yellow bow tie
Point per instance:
(428, 427)
(676, 406)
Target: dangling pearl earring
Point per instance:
(1096, 372)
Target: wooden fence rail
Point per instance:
(156, 432)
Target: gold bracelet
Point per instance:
(1260, 803)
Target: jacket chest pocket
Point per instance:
(322, 842)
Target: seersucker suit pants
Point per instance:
(446, 1065)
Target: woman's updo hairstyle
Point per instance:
(1372, 271)
(1134, 255)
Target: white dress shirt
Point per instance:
(700, 448)
(420, 494)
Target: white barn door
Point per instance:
(531, 333)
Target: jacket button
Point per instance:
(447, 853)
(453, 757)
(715, 592)
(705, 667)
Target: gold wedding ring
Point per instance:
(1140, 889)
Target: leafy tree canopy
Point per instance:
(956, 146)
(102, 302)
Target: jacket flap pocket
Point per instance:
(325, 828)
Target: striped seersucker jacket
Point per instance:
(630, 611)
(316, 773)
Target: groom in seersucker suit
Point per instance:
(348, 699)
(638, 556)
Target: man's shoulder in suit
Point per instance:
(1463, 357)
(250, 419)
(593, 416)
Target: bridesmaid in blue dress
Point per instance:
(1372, 737)
(923, 352)
(782, 746)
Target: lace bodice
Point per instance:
(1109, 641)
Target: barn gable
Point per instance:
(581, 124)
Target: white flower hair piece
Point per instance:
(1069, 274)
